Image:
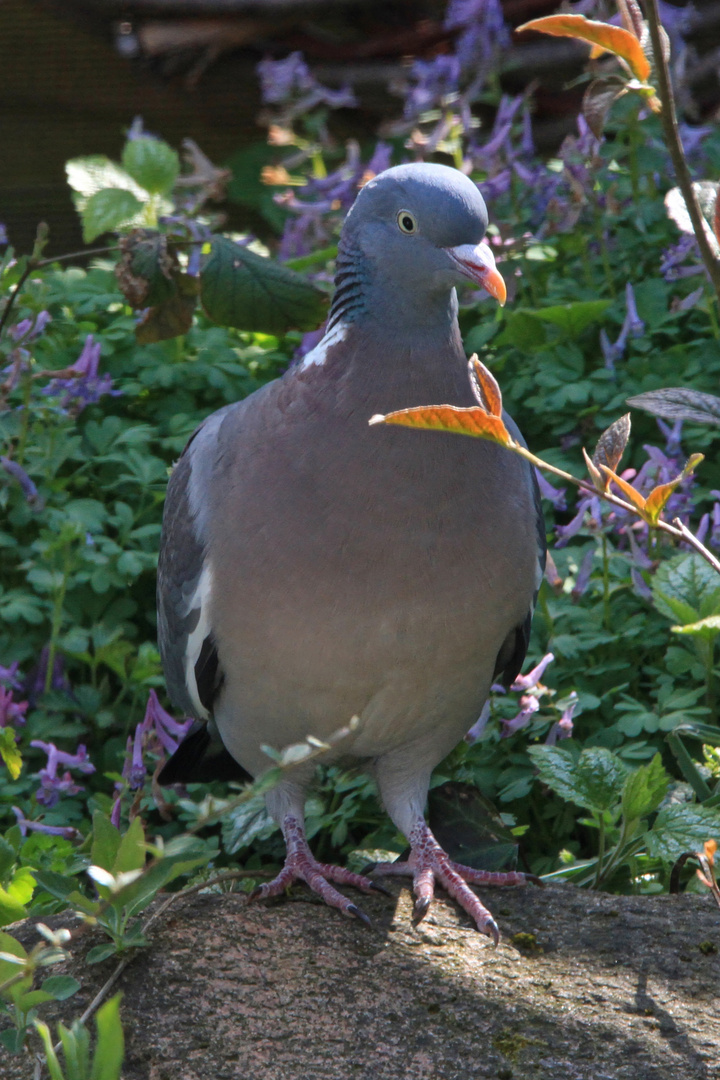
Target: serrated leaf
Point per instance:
(152, 163)
(245, 290)
(680, 403)
(682, 828)
(61, 987)
(686, 589)
(644, 789)
(594, 780)
(171, 318)
(451, 418)
(108, 210)
(598, 99)
(246, 823)
(147, 269)
(469, 828)
(110, 1044)
(706, 193)
(611, 39)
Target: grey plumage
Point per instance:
(314, 568)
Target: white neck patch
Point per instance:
(318, 355)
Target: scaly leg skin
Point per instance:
(428, 863)
(300, 865)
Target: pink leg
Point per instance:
(301, 866)
(428, 863)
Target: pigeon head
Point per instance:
(413, 233)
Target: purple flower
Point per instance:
(632, 324)
(673, 258)
(34, 685)
(555, 495)
(430, 84)
(12, 468)
(290, 83)
(53, 786)
(566, 532)
(3, 234)
(10, 676)
(527, 682)
(563, 729)
(529, 706)
(66, 831)
(86, 386)
(483, 31)
(640, 586)
(29, 329)
(582, 579)
(158, 731)
(11, 712)
(690, 300)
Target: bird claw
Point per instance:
(358, 913)
(377, 887)
(421, 908)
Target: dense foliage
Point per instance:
(607, 300)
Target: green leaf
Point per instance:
(9, 944)
(131, 852)
(644, 789)
(33, 998)
(13, 1040)
(11, 910)
(101, 952)
(594, 781)
(9, 752)
(106, 840)
(154, 164)
(678, 829)
(245, 290)
(686, 589)
(107, 210)
(147, 269)
(7, 857)
(573, 318)
(469, 828)
(246, 823)
(51, 1058)
(707, 628)
(61, 987)
(110, 1046)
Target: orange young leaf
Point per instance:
(658, 497)
(603, 36)
(710, 847)
(451, 418)
(485, 386)
(628, 490)
(599, 483)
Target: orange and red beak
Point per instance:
(478, 263)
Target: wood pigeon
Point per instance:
(314, 568)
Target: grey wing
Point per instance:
(512, 654)
(185, 637)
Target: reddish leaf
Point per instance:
(485, 386)
(451, 418)
(611, 39)
(611, 444)
(628, 490)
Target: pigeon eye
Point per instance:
(406, 222)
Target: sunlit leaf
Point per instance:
(485, 386)
(707, 628)
(9, 752)
(632, 495)
(152, 163)
(609, 38)
(451, 418)
(644, 789)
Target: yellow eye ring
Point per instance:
(406, 222)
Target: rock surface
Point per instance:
(584, 986)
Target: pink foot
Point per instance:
(428, 864)
(301, 866)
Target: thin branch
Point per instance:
(694, 542)
(674, 144)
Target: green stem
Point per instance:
(606, 583)
(601, 852)
(687, 766)
(57, 617)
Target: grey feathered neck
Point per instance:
(349, 300)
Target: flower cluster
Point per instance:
(53, 786)
(81, 384)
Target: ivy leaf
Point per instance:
(242, 289)
(680, 403)
(107, 210)
(611, 39)
(594, 780)
(682, 828)
(644, 789)
(152, 163)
